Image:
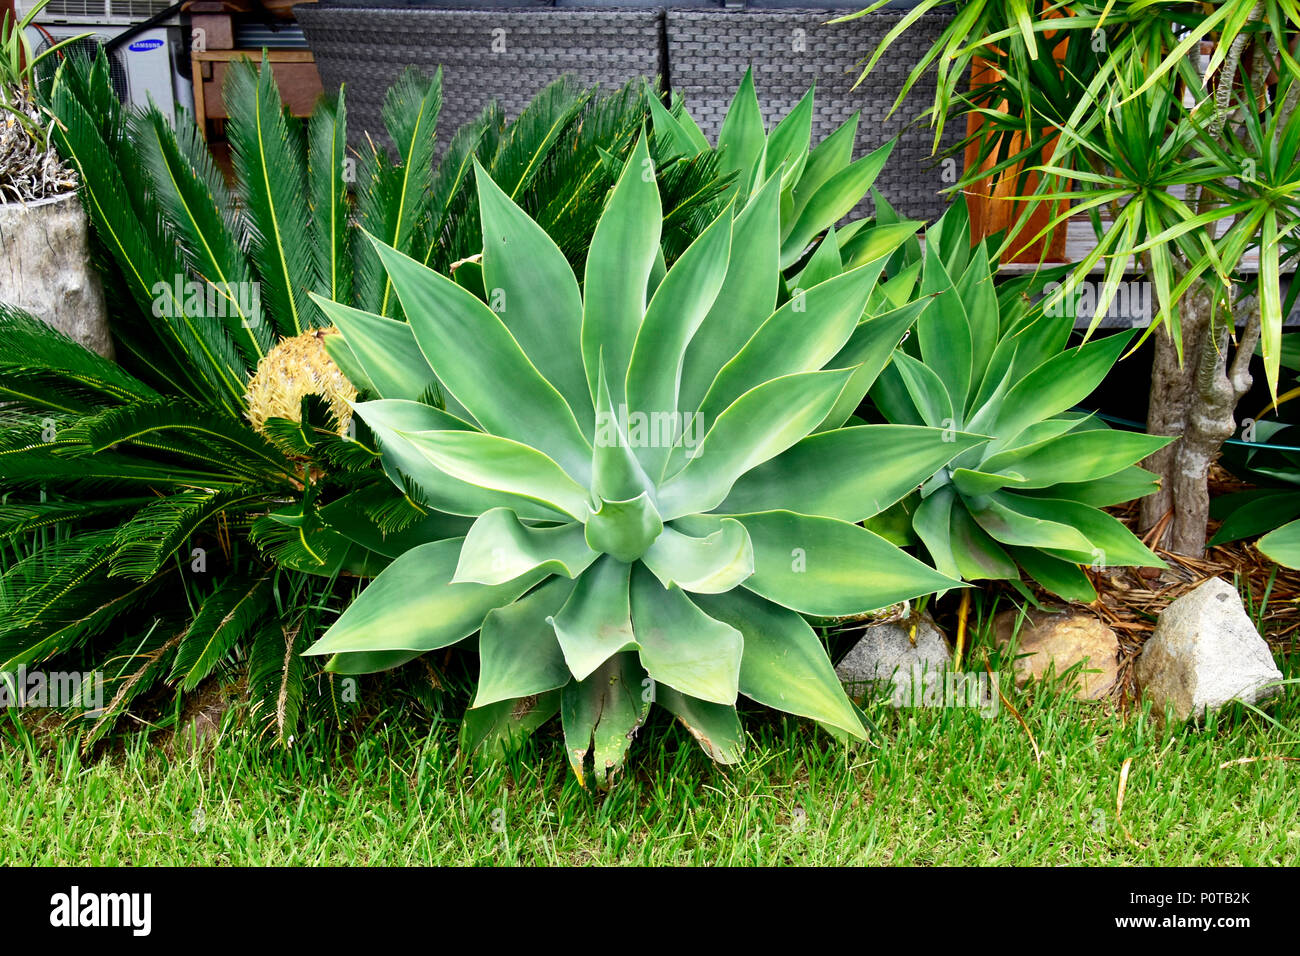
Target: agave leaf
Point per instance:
(746, 299)
(715, 727)
(1076, 457)
(623, 252)
(823, 566)
(682, 646)
(1062, 578)
(944, 333)
(1058, 384)
(832, 154)
(384, 348)
(784, 664)
(998, 515)
(972, 484)
(460, 336)
(414, 606)
(975, 554)
(831, 203)
(624, 529)
(500, 548)
(517, 648)
(868, 350)
(787, 144)
(595, 623)
(1132, 482)
(520, 261)
(933, 525)
(680, 304)
(742, 139)
(1283, 545)
(709, 565)
(826, 473)
(1109, 541)
(497, 730)
(801, 336)
(602, 714)
(759, 425)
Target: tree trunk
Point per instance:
(1194, 401)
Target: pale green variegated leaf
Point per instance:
(596, 621)
(530, 285)
(932, 523)
(499, 548)
(927, 390)
(759, 425)
(831, 155)
(517, 648)
(715, 727)
(784, 665)
(1063, 578)
(848, 473)
(711, 564)
(482, 365)
(801, 336)
(972, 483)
(680, 645)
(622, 255)
(976, 555)
(600, 716)
(826, 567)
(1283, 545)
(413, 606)
(787, 144)
(680, 304)
(944, 333)
(1132, 482)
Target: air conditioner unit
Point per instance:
(95, 12)
(141, 68)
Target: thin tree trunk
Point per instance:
(1195, 402)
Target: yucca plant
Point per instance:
(984, 361)
(819, 185)
(185, 497)
(629, 543)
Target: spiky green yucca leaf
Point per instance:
(1028, 497)
(605, 559)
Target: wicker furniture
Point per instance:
(698, 47)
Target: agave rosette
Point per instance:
(1031, 496)
(650, 470)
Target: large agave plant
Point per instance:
(819, 186)
(173, 519)
(985, 361)
(651, 469)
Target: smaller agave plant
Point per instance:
(984, 361)
(651, 469)
(819, 186)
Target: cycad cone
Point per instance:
(295, 368)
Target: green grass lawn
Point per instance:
(936, 787)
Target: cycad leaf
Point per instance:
(267, 151)
(229, 615)
(327, 169)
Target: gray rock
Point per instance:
(45, 269)
(885, 658)
(1205, 652)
